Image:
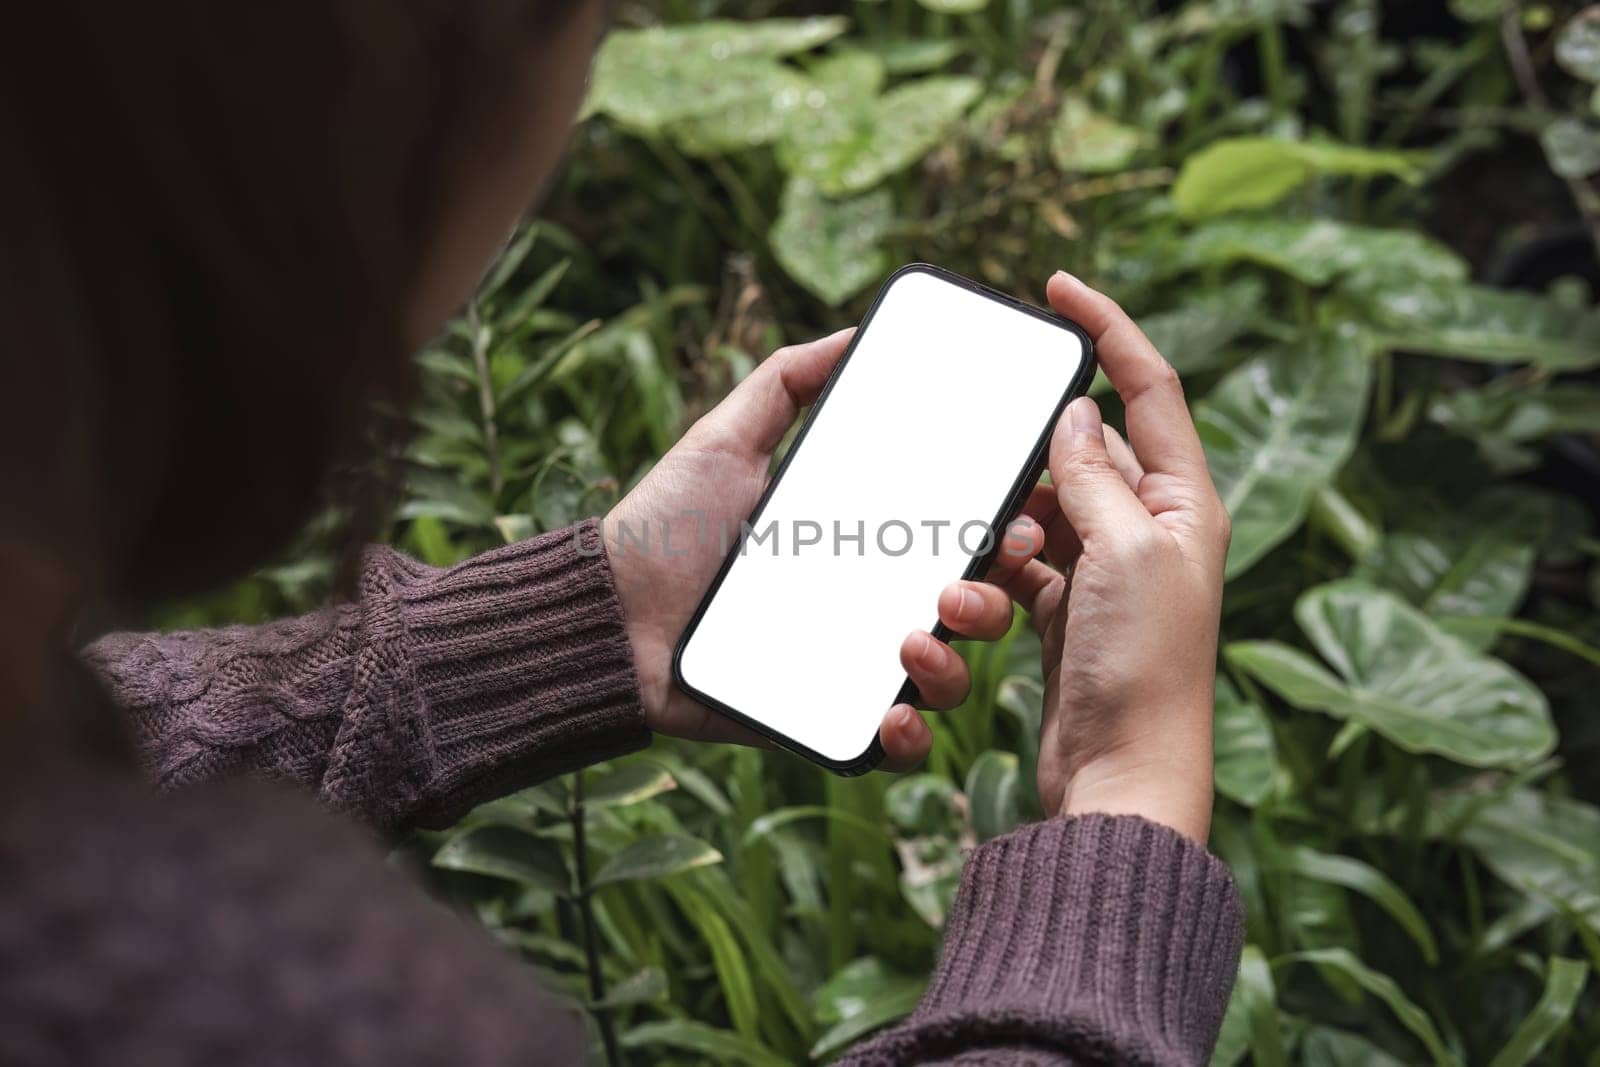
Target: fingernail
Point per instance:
(931, 654)
(902, 718)
(1069, 276)
(1084, 417)
(967, 605)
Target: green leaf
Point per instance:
(500, 851)
(724, 1046)
(994, 794)
(889, 1007)
(914, 55)
(1474, 560)
(656, 857)
(1316, 251)
(1250, 1023)
(764, 825)
(1084, 140)
(727, 958)
(1383, 987)
(1194, 336)
(1554, 1011)
(1518, 413)
(1246, 757)
(1477, 10)
(628, 784)
(1253, 172)
(647, 79)
(1276, 429)
(648, 986)
(1403, 677)
(832, 246)
(1478, 322)
(1572, 146)
(954, 7)
(853, 988)
(1546, 846)
(1324, 1046)
(1350, 873)
(773, 95)
(1578, 45)
(849, 143)
(851, 73)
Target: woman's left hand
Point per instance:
(709, 483)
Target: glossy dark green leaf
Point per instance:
(501, 851)
(1563, 985)
(650, 78)
(1578, 45)
(1316, 251)
(1251, 1020)
(764, 825)
(853, 988)
(994, 794)
(1086, 141)
(1478, 322)
(656, 857)
(1242, 173)
(1472, 561)
(832, 246)
(1399, 674)
(849, 143)
(1351, 873)
(1546, 846)
(628, 784)
(684, 1035)
(1194, 336)
(1518, 413)
(1386, 989)
(1246, 756)
(1324, 1046)
(1277, 428)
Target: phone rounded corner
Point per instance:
(869, 761)
(678, 678)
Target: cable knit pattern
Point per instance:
(436, 690)
(1097, 939)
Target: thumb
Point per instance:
(1092, 493)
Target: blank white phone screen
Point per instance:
(911, 455)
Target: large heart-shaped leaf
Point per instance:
(849, 142)
(832, 246)
(1478, 322)
(1084, 140)
(1517, 413)
(1545, 845)
(1245, 755)
(1276, 429)
(1475, 561)
(1400, 675)
(773, 94)
(1316, 251)
(649, 78)
(1194, 337)
(1252, 172)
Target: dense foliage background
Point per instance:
(1366, 234)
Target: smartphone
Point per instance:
(922, 446)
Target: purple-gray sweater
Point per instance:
(226, 919)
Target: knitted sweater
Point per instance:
(226, 918)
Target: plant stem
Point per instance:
(486, 405)
(591, 946)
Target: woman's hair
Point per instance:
(212, 216)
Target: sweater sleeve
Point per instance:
(1095, 939)
(434, 691)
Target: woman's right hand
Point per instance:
(1128, 605)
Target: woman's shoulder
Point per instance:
(237, 923)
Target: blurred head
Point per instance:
(225, 227)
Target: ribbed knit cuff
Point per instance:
(1107, 934)
(524, 666)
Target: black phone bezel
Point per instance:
(1024, 482)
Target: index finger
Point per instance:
(1159, 427)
